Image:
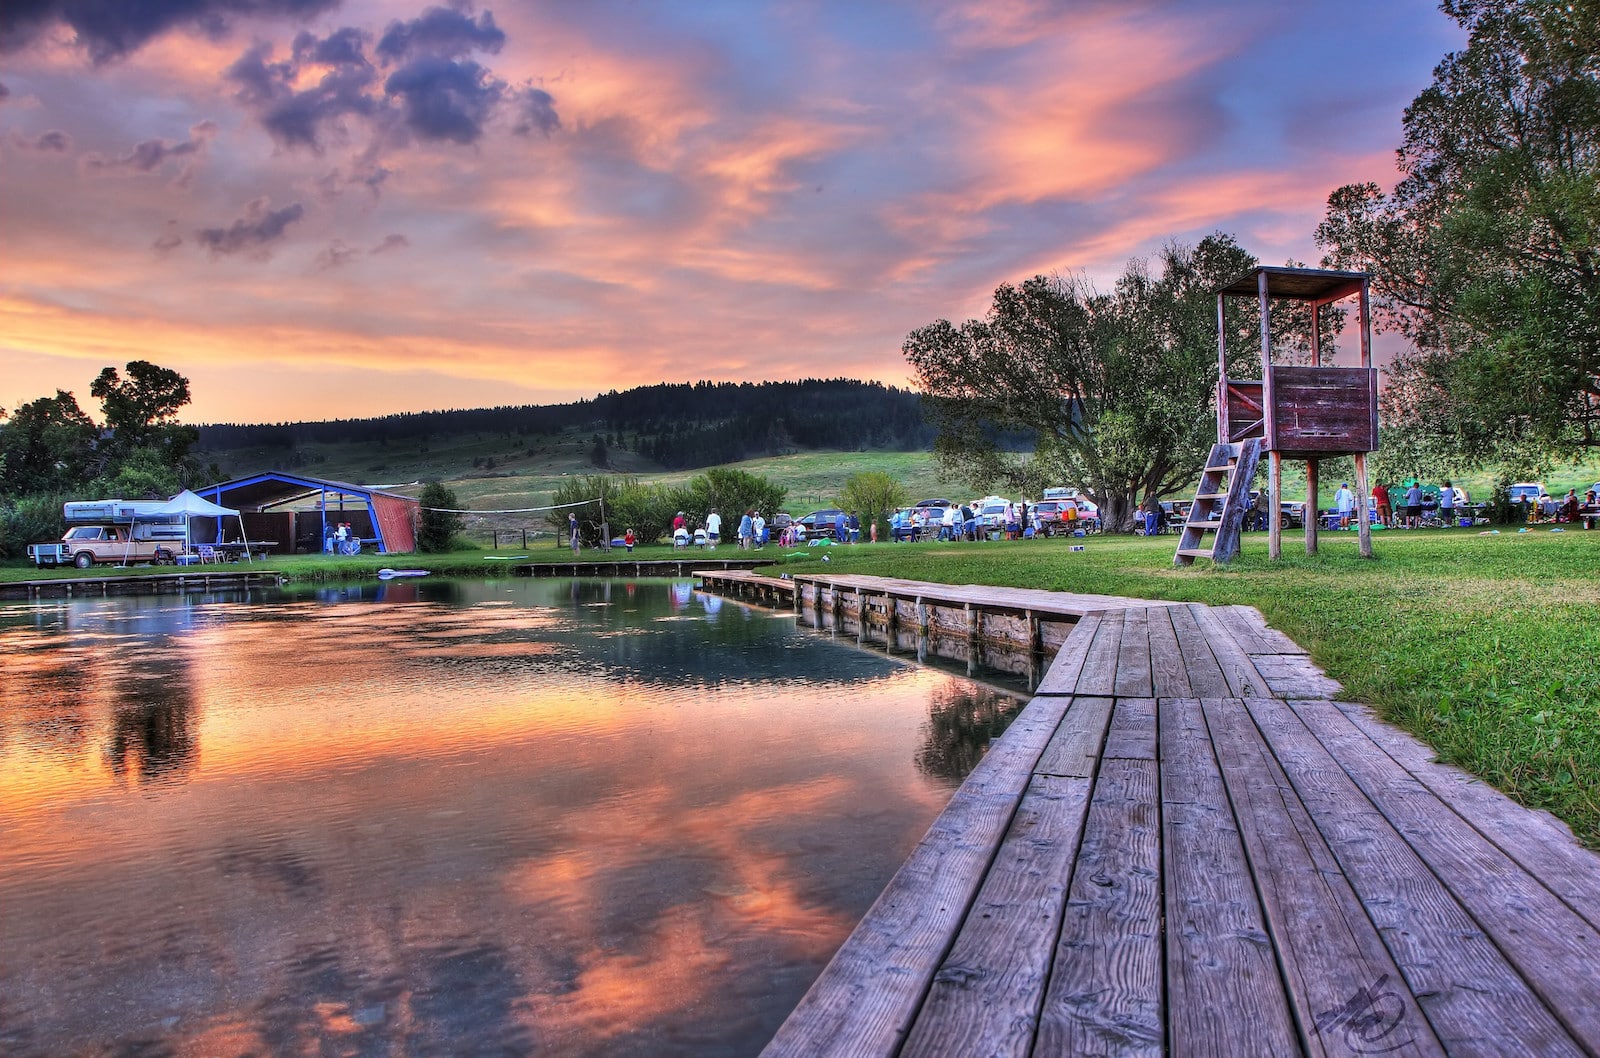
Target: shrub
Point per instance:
(435, 525)
(31, 520)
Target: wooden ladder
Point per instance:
(1220, 503)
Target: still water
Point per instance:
(446, 818)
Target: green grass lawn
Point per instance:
(1487, 647)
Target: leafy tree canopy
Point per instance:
(1117, 388)
(1487, 253)
(436, 523)
(873, 495)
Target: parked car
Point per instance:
(1526, 491)
(1294, 511)
(992, 511)
(820, 521)
(1052, 515)
(84, 545)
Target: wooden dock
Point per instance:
(1184, 847)
(189, 580)
(620, 567)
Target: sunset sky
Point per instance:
(318, 209)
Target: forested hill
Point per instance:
(679, 426)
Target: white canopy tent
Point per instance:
(188, 505)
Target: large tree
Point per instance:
(140, 411)
(1486, 255)
(1118, 389)
(48, 445)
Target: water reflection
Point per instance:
(566, 818)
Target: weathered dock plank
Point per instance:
(1540, 842)
(1331, 956)
(985, 997)
(1062, 677)
(1169, 675)
(1074, 750)
(1555, 949)
(1105, 995)
(1226, 998)
(1475, 1000)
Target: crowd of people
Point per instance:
(1418, 506)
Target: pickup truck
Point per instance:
(84, 545)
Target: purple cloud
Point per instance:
(335, 255)
(253, 232)
(168, 240)
(391, 244)
(51, 141)
(536, 112)
(111, 30)
(342, 47)
(441, 31)
(149, 155)
(445, 99)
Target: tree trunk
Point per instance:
(1116, 513)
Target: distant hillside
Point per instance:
(673, 426)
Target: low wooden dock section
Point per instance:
(1019, 618)
(1184, 847)
(661, 567)
(190, 580)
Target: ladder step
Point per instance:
(1210, 523)
(1195, 552)
(1224, 466)
(1211, 495)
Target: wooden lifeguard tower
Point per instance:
(1311, 413)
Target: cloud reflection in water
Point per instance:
(373, 823)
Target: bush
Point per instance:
(435, 525)
(30, 520)
(624, 502)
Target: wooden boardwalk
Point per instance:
(1184, 847)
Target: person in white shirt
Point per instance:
(713, 528)
(758, 530)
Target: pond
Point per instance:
(579, 817)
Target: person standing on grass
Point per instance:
(713, 529)
(1414, 505)
(572, 531)
(1380, 503)
(1344, 501)
(758, 530)
(628, 540)
(745, 525)
(1447, 504)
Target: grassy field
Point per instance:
(1488, 647)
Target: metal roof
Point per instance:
(274, 487)
(1298, 284)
